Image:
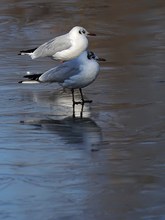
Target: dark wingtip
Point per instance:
(33, 76)
(20, 81)
(27, 51)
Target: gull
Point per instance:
(64, 47)
(73, 74)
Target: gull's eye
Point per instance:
(83, 31)
(80, 32)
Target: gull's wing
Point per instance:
(61, 73)
(53, 46)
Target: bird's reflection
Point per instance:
(57, 103)
(71, 123)
(81, 111)
(72, 130)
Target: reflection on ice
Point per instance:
(82, 131)
(54, 112)
(58, 102)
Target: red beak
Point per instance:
(101, 59)
(91, 34)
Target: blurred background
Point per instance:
(109, 163)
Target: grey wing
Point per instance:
(60, 73)
(53, 46)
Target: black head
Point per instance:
(92, 56)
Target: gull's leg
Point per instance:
(73, 96)
(73, 99)
(82, 98)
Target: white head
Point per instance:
(80, 31)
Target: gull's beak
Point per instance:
(100, 59)
(91, 34)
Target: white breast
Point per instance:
(78, 46)
(88, 73)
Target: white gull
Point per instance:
(64, 47)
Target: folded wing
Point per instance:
(60, 73)
(52, 47)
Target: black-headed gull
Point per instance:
(74, 74)
(64, 47)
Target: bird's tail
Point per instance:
(27, 52)
(32, 78)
